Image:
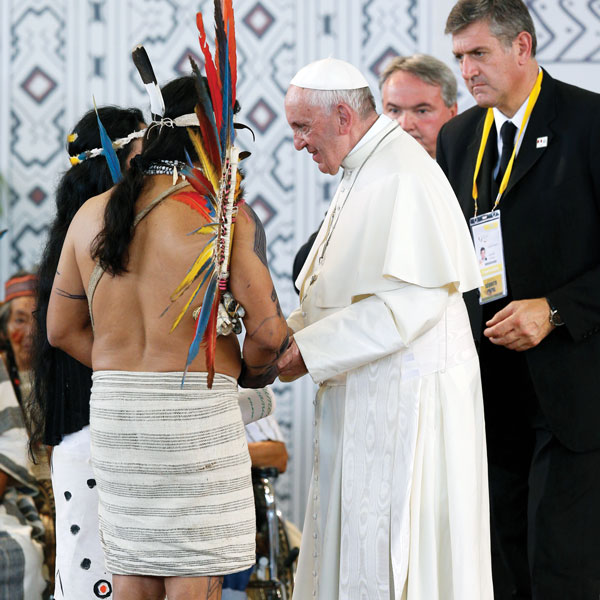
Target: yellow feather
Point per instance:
(187, 305)
(205, 256)
(207, 167)
(207, 229)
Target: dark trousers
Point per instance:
(544, 498)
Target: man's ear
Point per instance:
(345, 117)
(524, 45)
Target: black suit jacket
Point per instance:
(550, 215)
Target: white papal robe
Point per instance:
(398, 504)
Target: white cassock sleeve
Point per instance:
(369, 329)
(296, 321)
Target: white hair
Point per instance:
(360, 100)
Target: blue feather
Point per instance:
(209, 264)
(208, 274)
(202, 322)
(212, 209)
(226, 85)
(109, 151)
(205, 103)
(230, 88)
(205, 266)
(208, 110)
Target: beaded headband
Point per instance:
(16, 287)
(117, 145)
(189, 120)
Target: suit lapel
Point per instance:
(538, 127)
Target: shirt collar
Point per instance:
(516, 119)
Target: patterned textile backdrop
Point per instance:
(56, 55)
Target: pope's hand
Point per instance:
(291, 365)
(520, 325)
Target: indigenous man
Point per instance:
(539, 346)
(419, 91)
(398, 502)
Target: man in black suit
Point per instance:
(539, 346)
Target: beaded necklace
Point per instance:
(164, 167)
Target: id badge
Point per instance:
(487, 237)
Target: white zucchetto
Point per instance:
(329, 74)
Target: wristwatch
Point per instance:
(554, 318)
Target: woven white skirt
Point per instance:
(173, 474)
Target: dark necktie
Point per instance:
(507, 133)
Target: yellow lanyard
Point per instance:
(487, 126)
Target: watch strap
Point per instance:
(554, 318)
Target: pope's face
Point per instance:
(315, 129)
(417, 106)
(489, 68)
(20, 330)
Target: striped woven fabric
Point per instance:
(21, 530)
(173, 474)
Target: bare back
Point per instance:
(129, 333)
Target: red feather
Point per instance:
(212, 75)
(195, 201)
(206, 119)
(201, 183)
(218, 8)
(209, 140)
(230, 30)
(210, 335)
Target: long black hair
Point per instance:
(82, 181)
(110, 247)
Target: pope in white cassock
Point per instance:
(398, 505)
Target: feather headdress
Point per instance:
(116, 145)
(217, 180)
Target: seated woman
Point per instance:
(60, 412)
(21, 530)
(170, 460)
